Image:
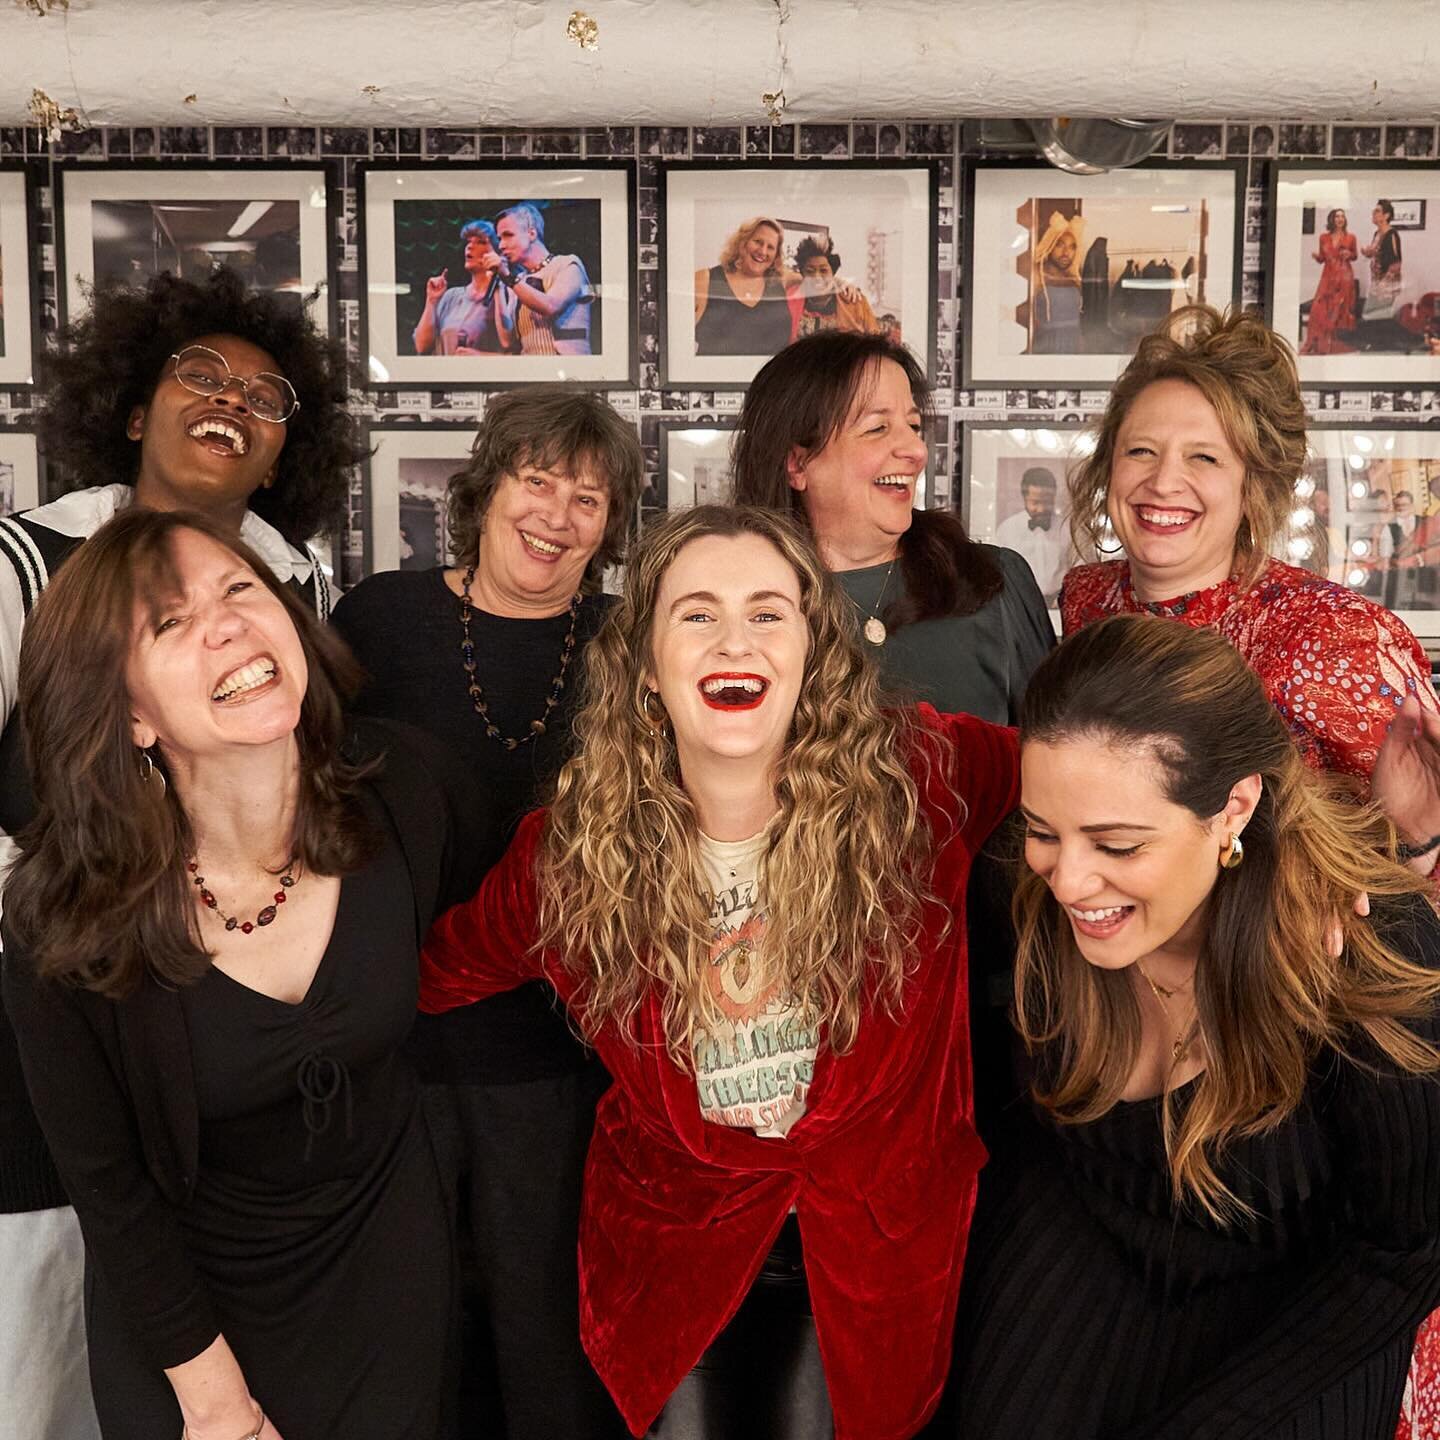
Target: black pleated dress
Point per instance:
(1092, 1309)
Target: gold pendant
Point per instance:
(875, 631)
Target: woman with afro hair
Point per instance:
(183, 395)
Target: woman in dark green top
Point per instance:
(832, 430)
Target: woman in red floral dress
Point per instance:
(1194, 474)
(1332, 311)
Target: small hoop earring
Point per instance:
(655, 721)
(150, 772)
(1232, 854)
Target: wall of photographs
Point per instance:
(1024, 288)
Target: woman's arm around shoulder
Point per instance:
(487, 943)
(968, 771)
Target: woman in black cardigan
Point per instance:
(210, 952)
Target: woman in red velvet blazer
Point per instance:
(749, 892)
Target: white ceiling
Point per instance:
(510, 62)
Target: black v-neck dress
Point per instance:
(316, 1224)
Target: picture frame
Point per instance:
(1045, 305)
(20, 339)
(405, 483)
(694, 463)
(877, 218)
(132, 220)
(997, 459)
(19, 471)
(1381, 515)
(1349, 320)
(410, 223)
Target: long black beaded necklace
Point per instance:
(477, 695)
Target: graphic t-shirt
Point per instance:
(755, 1070)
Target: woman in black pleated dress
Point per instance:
(1220, 1216)
(210, 962)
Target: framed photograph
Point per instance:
(694, 463)
(484, 278)
(753, 257)
(1367, 516)
(1016, 495)
(1066, 273)
(19, 278)
(19, 472)
(1355, 277)
(406, 479)
(130, 222)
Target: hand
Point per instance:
(435, 286)
(229, 1429)
(466, 350)
(490, 262)
(848, 292)
(1406, 778)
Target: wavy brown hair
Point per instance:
(1270, 996)
(552, 427)
(1247, 372)
(100, 895)
(799, 401)
(622, 894)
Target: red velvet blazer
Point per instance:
(678, 1213)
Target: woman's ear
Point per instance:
(142, 734)
(1244, 797)
(795, 468)
(135, 425)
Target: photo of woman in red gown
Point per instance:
(1332, 311)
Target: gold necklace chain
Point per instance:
(874, 628)
(1180, 1046)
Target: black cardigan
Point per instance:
(113, 1084)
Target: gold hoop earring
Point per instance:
(1232, 854)
(150, 772)
(656, 722)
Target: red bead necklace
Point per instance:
(231, 923)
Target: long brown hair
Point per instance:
(1270, 996)
(1247, 372)
(800, 399)
(100, 895)
(843, 878)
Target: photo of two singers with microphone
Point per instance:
(507, 277)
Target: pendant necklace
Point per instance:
(874, 628)
(1181, 1045)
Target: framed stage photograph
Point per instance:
(752, 258)
(406, 478)
(1367, 516)
(19, 280)
(129, 222)
(694, 463)
(488, 277)
(19, 471)
(1355, 273)
(1015, 494)
(1066, 273)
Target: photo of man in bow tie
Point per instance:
(1037, 532)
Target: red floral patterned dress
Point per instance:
(1337, 667)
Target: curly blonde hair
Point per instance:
(1247, 372)
(844, 872)
(730, 250)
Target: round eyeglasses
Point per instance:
(204, 371)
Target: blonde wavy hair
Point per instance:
(1270, 996)
(844, 872)
(730, 250)
(1247, 372)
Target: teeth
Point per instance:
(1096, 917)
(1165, 517)
(247, 677)
(213, 426)
(543, 546)
(714, 687)
(898, 481)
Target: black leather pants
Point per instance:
(762, 1376)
